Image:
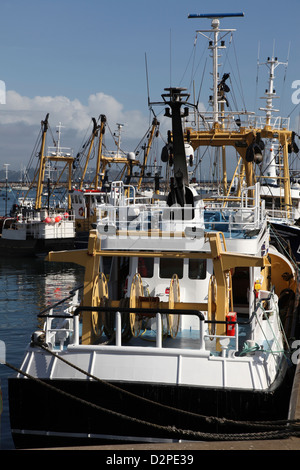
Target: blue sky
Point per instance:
(78, 59)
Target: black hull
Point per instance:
(286, 238)
(82, 239)
(41, 417)
(33, 247)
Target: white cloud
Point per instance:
(21, 116)
(71, 113)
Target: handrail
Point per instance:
(83, 308)
(5, 220)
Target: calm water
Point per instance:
(27, 286)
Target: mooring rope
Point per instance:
(273, 430)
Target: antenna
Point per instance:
(147, 79)
(170, 58)
(215, 44)
(272, 63)
(148, 92)
(215, 15)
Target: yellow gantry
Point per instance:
(223, 262)
(241, 139)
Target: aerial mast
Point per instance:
(215, 44)
(39, 190)
(272, 63)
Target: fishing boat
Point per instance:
(87, 199)
(279, 181)
(264, 145)
(183, 328)
(33, 228)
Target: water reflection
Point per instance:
(27, 286)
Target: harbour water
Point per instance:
(27, 286)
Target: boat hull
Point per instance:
(34, 247)
(43, 417)
(283, 234)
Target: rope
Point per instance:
(172, 431)
(265, 316)
(209, 419)
(276, 429)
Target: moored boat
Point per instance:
(279, 184)
(183, 330)
(33, 228)
(87, 199)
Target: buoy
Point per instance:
(58, 218)
(230, 327)
(257, 286)
(48, 220)
(66, 215)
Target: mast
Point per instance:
(39, 189)
(283, 137)
(6, 165)
(214, 45)
(154, 126)
(101, 134)
(270, 93)
(94, 134)
(175, 98)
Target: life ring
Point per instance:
(81, 211)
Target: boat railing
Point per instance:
(225, 214)
(265, 324)
(7, 221)
(60, 323)
(232, 121)
(157, 313)
(62, 328)
(282, 216)
(66, 330)
(45, 216)
(275, 122)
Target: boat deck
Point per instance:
(185, 339)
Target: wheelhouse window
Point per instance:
(145, 266)
(168, 267)
(197, 268)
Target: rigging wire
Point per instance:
(238, 81)
(34, 153)
(192, 56)
(257, 70)
(284, 77)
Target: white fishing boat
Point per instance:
(87, 199)
(35, 233)
(264, 144)
(279, 182)
(183, 328)
(35, 229)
